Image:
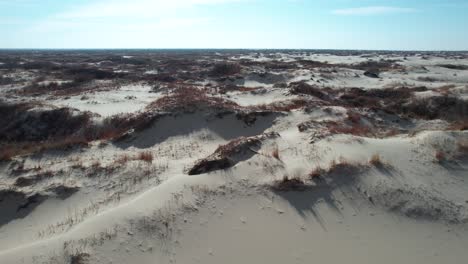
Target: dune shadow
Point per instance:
(386, 170)
(227, 127)
(305, 202)
(455, 165)
(16, 205)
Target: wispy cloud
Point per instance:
(372, 10)
(132, 8)
(128, 15)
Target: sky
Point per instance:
(252, 24)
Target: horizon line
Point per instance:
(246, 49)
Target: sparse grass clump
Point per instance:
(289, 184)
(79, 258)
(146, 157)
(463, 147)
(96, 165)
(344, 166)
(376, 161)
(6, 154)
(123, 159)
(355, 129)
(462, 151)
(439, 156)
(461, 125)
(353, 117)
(317, 173)
(341, 167)
(275, 153)
(284, 106)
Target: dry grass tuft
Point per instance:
(6, 154)
(275, 153)
(353, 117)
(440, 156)
(463, 146)
(123, 159)
(355, 129)
(461, 125)
(79, 258)
(462, 149)
(289, 184)
(146, 157)
(344, 166)
(284, 106)
(96, 165)
(376, 161)
(317, 173)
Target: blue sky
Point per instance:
(319, 24)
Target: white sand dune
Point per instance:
(399, 197)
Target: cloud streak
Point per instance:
(135, 8)
(372, 10)
(128, 15)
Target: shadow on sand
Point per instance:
(305, 202)
(227, 127)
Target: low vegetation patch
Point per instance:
(190, 99)
(225, 69)
(376, 161)
(275, 153)
(305, 88)
(289, 184)
(31, 127)
(355, 129)
(454, 66)
(337, 167)
(226, 156)
(283, 106)
(146, 157)
(439, 156)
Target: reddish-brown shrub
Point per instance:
(146, 156)
(343, 166)
(463, 147)
(6, 153)
(316, 173)
(191, 98)
(461, 125)
(123, 159)
(287, 184)
(439, 156)
(353, 117)
(275, 153)
(354, 129)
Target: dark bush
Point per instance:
(80, 75)
(445, 107)
(305, 88)
(223, 69)
(19, 123)
(6, 80)
(453, 66)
